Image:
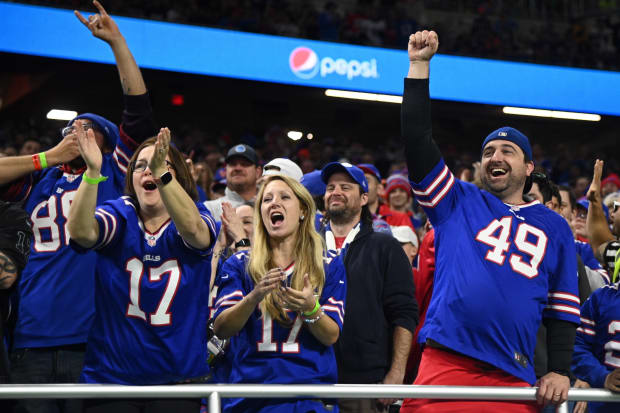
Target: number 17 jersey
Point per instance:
(500, 268)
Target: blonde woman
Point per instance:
(282, 303)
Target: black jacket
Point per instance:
(380, 296)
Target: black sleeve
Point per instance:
(399, 302)
(582, 281)
(560, 343)
(416, 128)
(15, 234)
(138, 123)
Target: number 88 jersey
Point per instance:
(151, 291)
(500, 268)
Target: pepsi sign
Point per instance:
(56, 33)
(305, 64)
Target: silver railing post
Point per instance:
(562, 408)
(215, 405)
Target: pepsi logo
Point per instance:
(304, 62)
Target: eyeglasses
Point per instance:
(70, 129)
(140, 166)
(582, 214)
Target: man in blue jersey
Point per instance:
(499, 271)
(55, 291)
(597, 345)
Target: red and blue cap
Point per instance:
(507, 133)
(370, 169)
(353, 171)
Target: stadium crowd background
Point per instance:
(570, 33)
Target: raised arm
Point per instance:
(596, 223)
(82, 224)
(103, 27)
(178, 203)
(137, 121)
(421, 151)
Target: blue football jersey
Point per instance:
(55, 291)
(265, 351)
(499, 269)
(151, 293)
(597, 344)
(587, 256)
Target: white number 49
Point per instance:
(500, 243)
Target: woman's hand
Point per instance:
(90, 151)
(157, 163)
(302, 301)
(267, 284)
(231, 224)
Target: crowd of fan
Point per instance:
(582, 34)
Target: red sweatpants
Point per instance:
(441, 368)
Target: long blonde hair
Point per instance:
(308, 253)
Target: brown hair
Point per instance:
(183, 176)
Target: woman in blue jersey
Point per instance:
(282, 303)
(152, 277)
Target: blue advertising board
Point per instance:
(182, 48)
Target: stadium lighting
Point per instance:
(58, 114)
(294, 135)
(592, 117)
(310, 136)
(375, 97)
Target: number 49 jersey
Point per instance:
(499, 268)
(151, 297)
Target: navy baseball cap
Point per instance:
(244, 151)
(584, 203)
(507, 133)
(313, 183)
(353, 171)
(107, 128)
(370, 169)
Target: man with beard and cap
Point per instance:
(55, 299)
(242, 174)
(504, 265)
(381, 312)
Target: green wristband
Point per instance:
(93, 181)
(43, 160)
(314, 310)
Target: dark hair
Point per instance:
(545, 186)
(571, 196)
(183, 175)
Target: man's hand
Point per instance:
(392, 377)
(552, 388)
(580, 407)
(422, 46)
(66, 150)
(594, 192)
(101, 25)
(612, 381)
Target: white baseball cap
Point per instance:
(283, 166)
(405, 234)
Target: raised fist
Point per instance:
(422, 46)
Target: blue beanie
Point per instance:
(507, 133)
(107, 128)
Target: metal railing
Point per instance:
(214, 392)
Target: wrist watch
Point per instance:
(164, 179)
(245, 242)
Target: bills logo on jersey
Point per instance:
(304, 62)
